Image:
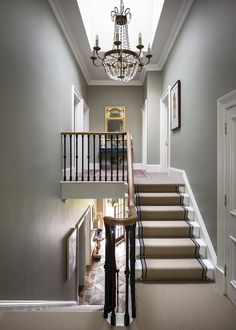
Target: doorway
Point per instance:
(226, 193)
(165, 130)
(80, 123)
(144, 134)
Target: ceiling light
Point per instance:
(121, 63)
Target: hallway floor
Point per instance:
(159, 307)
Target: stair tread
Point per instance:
(158, 194)
(166, 242)
(172, 263)
(164, 224)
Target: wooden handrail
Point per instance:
(93, 133)
(131, 219)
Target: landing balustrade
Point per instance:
(98, 156)
(94, 156)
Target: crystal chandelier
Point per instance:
(121, 63)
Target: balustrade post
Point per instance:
(132, 268)
(64, 156)
(127, 275)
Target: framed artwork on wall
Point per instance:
(175, 105)
(71, 253)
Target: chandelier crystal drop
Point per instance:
(121, 63)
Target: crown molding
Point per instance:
(114, 83)
(55, 6)
(183, 13)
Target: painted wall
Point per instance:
(152, 91)
(37, 71)
(203, 58)
(131, 97)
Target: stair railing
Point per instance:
(94, 156)
(111, 271)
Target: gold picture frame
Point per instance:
(115, 118)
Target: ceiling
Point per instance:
(81, 23)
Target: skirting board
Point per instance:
(181, 173)
(220, 280)
(23, 304)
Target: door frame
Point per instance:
(224, 103)
(165, 129)
(144, 134)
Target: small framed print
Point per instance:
(175, 105)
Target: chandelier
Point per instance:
(121, 63)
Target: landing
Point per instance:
(157, 178)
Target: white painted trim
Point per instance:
(165, 129)
(74, 93)
(93, 189)
(174, 33)
(181, 173)
(145, 133)
(220, 280)
(223, 103)
(37, 303)
(55, 5)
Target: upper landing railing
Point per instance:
(98, 156)
(94, 156)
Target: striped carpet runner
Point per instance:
(166, 245)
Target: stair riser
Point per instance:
(160, 201)
(159, 188)
(162, 215)
(166, 232)
(169, 252)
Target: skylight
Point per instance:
(96, 17)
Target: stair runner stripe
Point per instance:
(204, 268)
(141, 237)
(197, 248)
(190, 227)
(144, 268)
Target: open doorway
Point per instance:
(165, 130)
(144, 134)
(92, 290)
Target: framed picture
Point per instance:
(175, 105)
(71, 253)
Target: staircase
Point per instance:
(168, 243)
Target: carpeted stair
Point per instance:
(168, 246)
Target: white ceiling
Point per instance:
(96, 16)
(80, 38)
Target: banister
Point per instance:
(93, 133)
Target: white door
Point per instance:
(231, 204)
(144, 134)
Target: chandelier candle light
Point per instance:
(121, 63)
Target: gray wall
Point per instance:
(204, 60)
(37, 71)
(152, 91)
(131, 97)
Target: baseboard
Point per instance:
(220, 280)
(182, 174)
(23, 304)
